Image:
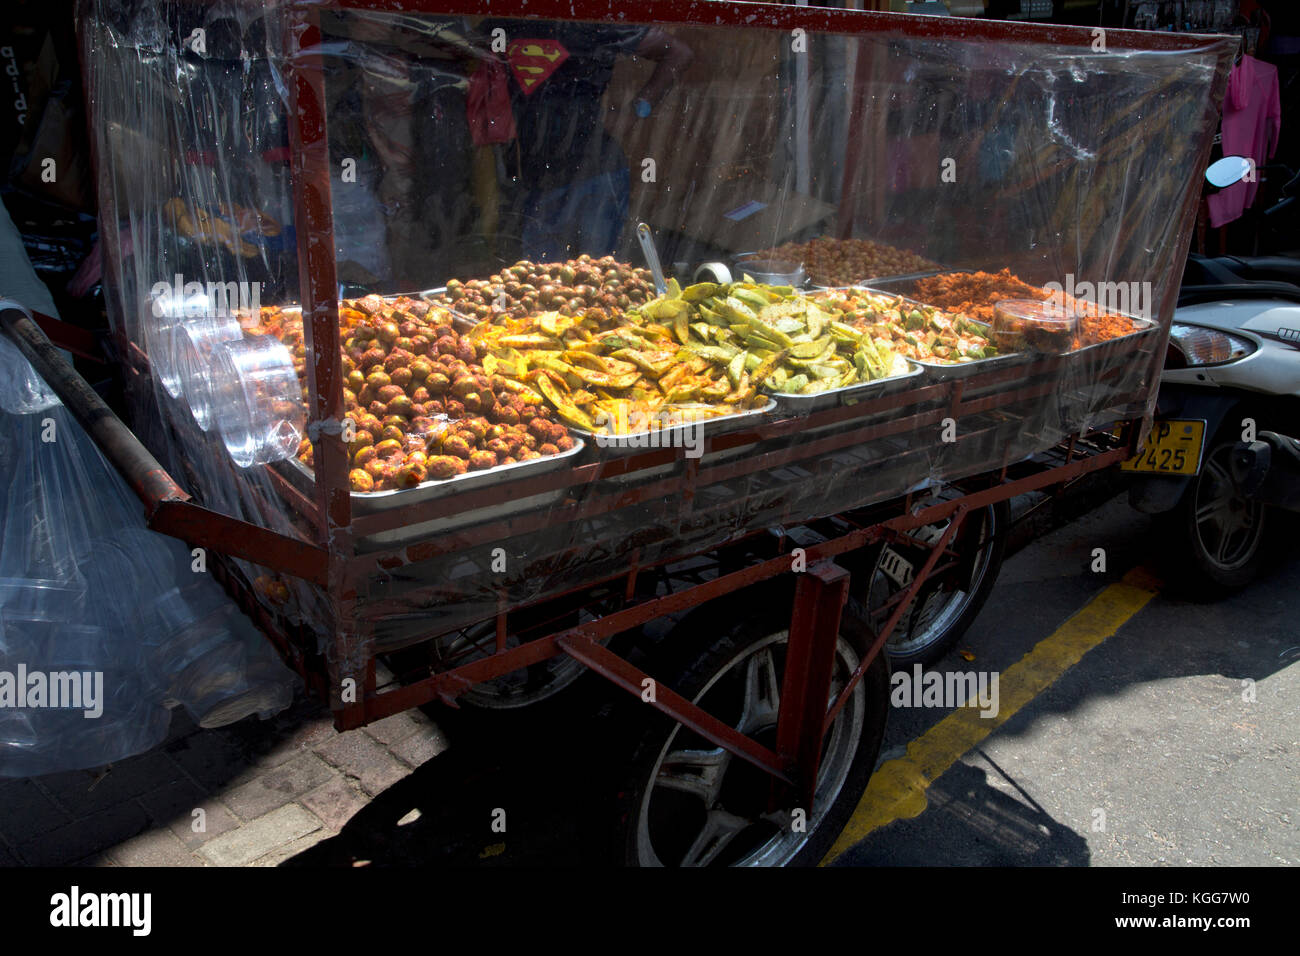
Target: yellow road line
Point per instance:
(897, 789)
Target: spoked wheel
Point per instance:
(948, 602)
(521, 688)
(1222, 531)
(535, 683)
(687, 802)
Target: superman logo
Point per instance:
(533, 61)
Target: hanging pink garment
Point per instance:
(1252, 119)
(491, 119)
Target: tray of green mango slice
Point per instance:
(782, 341)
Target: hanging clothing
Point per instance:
(1252, 121)
(488, 105)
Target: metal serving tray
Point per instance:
(377, 502)
(872, 280)
(639, 441)
(814, 287)
(1144, 327)
(946, 371)
(1104, 372)
(374, 502)
(670, 437)
(846, 394)
(883, 283)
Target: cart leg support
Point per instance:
(819, 599)
(939, 548)
(664, 699)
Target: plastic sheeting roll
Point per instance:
(713, 272)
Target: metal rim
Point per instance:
(721, 797)
(1227, 525)
(518, 688)
(526, 686)
(937, 610)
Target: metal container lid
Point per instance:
(1044, 314)
(772, 271)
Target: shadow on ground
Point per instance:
(969, 822)
(508, 791)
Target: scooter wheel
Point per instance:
(1222, 536)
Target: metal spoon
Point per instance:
(651, 256)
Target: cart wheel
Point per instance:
(530, 685)
(522, 688)
(686, 802)
(948, 602)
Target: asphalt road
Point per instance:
(1174, 740)
(1134, 728)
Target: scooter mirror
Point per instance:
(1229, 170)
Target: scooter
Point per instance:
(1222, 462)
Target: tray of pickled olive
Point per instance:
(840, 262)
(569, 288)
(424, 412)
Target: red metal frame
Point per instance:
(80, 342)
(819, 598)
(453, 682)
(814, 628)
(622, 674)
(332, 562)
(775, 16)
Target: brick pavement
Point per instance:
(252, 794)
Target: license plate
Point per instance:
(1172, 448)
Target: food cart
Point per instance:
(841, 421)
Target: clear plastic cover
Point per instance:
(481, 305)
(195, 347)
